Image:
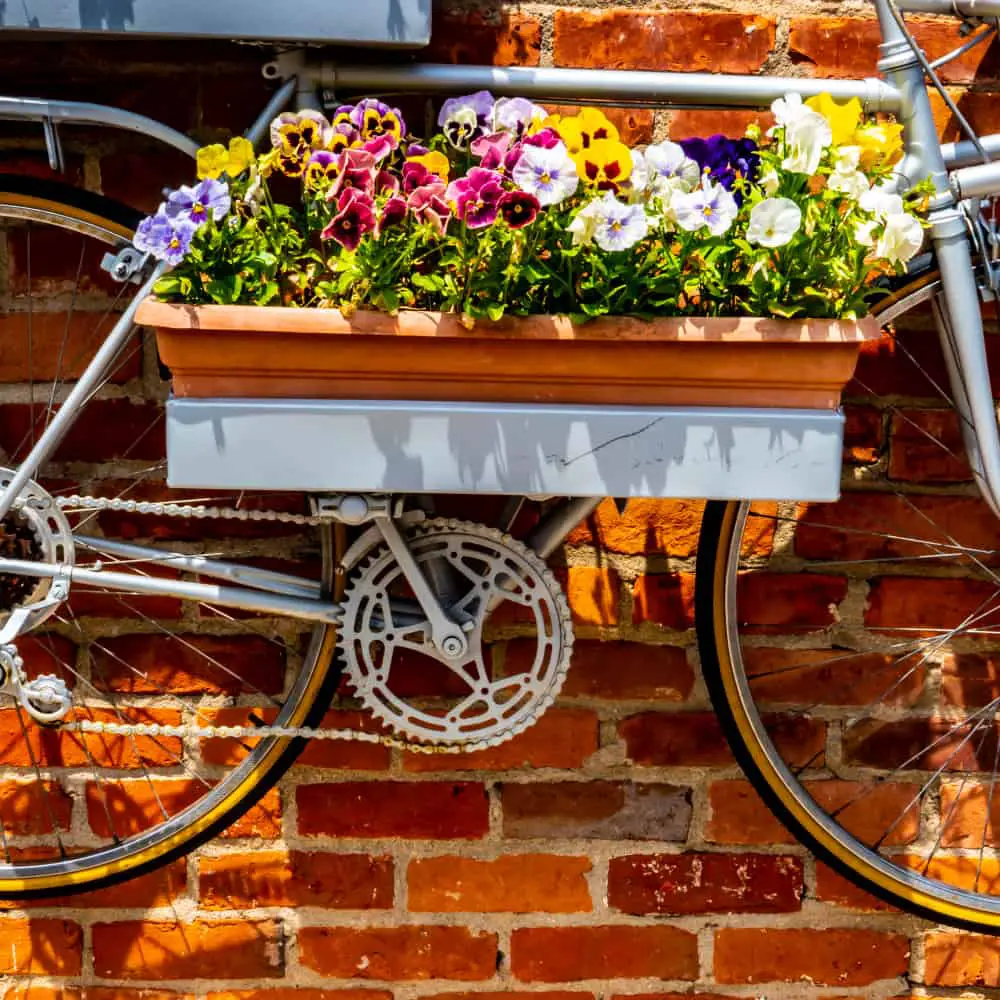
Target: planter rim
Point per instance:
(416, 323)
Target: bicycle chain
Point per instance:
(77, 502)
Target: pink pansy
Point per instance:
(355, 218)
(547, 138)
(358, 172)
(476, 197)
(428, 205)
(393, 213)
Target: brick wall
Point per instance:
(612, 851)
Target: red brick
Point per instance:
(507, 39)
(32, 807)
(848, 47)
(593, 594)
(565, 954)
(98, 604)
(416, 810)
(864, 435)
(134, 806)
(698, 124)
(87, 332)
(64, 748)
(298, 878)
(515, 883)
(561, 738)
(964, 816)
(738, 816)
(201, 949)
(865, 525)
(295, 993)
(408, 953)
(34, 992)
(828, 957)
(137, 178)
(970, 679)
(705, 883)
(515, 995)
(934, 605)
(352, 755)
(597, 810)
(920, 743)
(695, 739)
(901, 363)
(190, 664)
(832, 887)
(926, 447)
(961, 960)
(832, 676)
(106, 429)
(624, 671)
(788, 602)
(969, 872)
(665, 599)
(40, 947)
(674, 40)
(667, 527)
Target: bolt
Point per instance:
(452, 646)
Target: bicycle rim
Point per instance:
(80, 810)
(850, 649)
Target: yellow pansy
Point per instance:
(435, 162)
(844, 119)
(579, 131)
(604, 164)
(881, 143)
(240, 156)
(212, 161)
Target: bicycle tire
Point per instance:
(753, 693)
(46, 207)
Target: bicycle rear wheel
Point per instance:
(80, 809)
(852, 650)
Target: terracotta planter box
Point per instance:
(265, 353)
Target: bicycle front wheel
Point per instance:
(852, 650)
(81, 808)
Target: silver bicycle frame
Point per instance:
(903, 91)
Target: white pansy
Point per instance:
(806, 139)
(770, 182)
(618, 226)
(789, 109)
(864, 233)
(901, 238)
(774, 222)
(517, 114)
(671, 169)
(710, 206)
(549, 174)
(882, 201)
(639, 178)
(583, 226)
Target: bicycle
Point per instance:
(150, 709)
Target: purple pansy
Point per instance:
(322, 168)
(372, 118)
(463, 119)
(519, 209)
(165, 237)
(497, 152)
(355, 218)
(476, 197)
(515, 114)
(208, 198)
(428, 205)
(724, 159)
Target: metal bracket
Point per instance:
(53, 146)
(128, 264)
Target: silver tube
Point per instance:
(77, 399)
(554, 528)
(247, 576)
(74, 112)
(275, 106)
(965, 154)
(967, 8)
(976, 182)
(693, 90)
(205, 593)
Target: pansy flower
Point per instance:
(604, 164)
(711, 206)
(341, 137)
(357, 171)
(355, 218)
(322, 169)
(723, 159)
(210, 198)
(299, 132)
(428, 205)
(517, 115)
(475, 198)
(434, 162)
(497, 153)
(549, 174)
(670, 169)
(215, 160)
(372, 119)
(579, 131)
(165, 237)
(463, 119)
(393, 213)
(519, 209)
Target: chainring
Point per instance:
(475, 570)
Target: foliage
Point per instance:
(510, 210)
